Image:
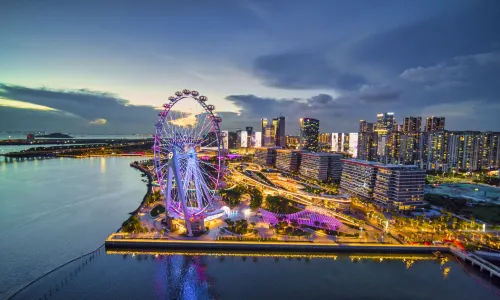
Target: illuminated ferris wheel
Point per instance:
(186, 126)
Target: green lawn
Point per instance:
(489, 214)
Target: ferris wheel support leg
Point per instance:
(182, 193)
(168, 196)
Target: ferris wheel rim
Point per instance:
(159, 151)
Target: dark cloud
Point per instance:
(380, 93)
(303, 70)
(427, 42)
(85, 111)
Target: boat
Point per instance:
(438, 254)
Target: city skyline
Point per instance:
(69, 74)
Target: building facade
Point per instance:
(321, 166)
(399, 187)
(358, 177)
(288, 160)
(265, 156)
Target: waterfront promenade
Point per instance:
(117, 241)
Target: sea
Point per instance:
(55, 210)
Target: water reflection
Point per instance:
(103, 165)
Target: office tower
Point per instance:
(292, 141)
(309, 134)
(434, 124)
(249, 131)
(358, 177)
(353, 144)
(385, 123)
(244, 139)
(367, 145)
(279, 131)
(269, 136)
(412, 124)
(232, 140)
(321, 166)
(258, 139)
(399, 187)
(265, 156)
(365, 126)
(225, 139)
(288, 160)
(263, 125)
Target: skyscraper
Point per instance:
(365, 126)
(268, 136)
(385, 123)
(309, 134)
(279, 131)
(412, 124)
(263, 125)
(434, 124)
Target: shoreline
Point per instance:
(149, 186)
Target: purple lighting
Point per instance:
(305, 217)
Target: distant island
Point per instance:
(55, 135)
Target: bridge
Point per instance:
(475, 260)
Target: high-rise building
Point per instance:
(309, 134)
(258, 139)
(367, 146)
(412, 124)
(279, 131)
(385, 123)
(353, 144)
(232, 138)
(434, 124)
(243, 136)
(490, 150)
(365, 126)
(288, 160)
(263, 125)
(269, 136)
(225, 139)
(292, 141)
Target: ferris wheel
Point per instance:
(186, 126)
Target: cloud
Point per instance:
(473, 29)
(99, 121)
(378, 93)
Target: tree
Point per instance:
(256, 198)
